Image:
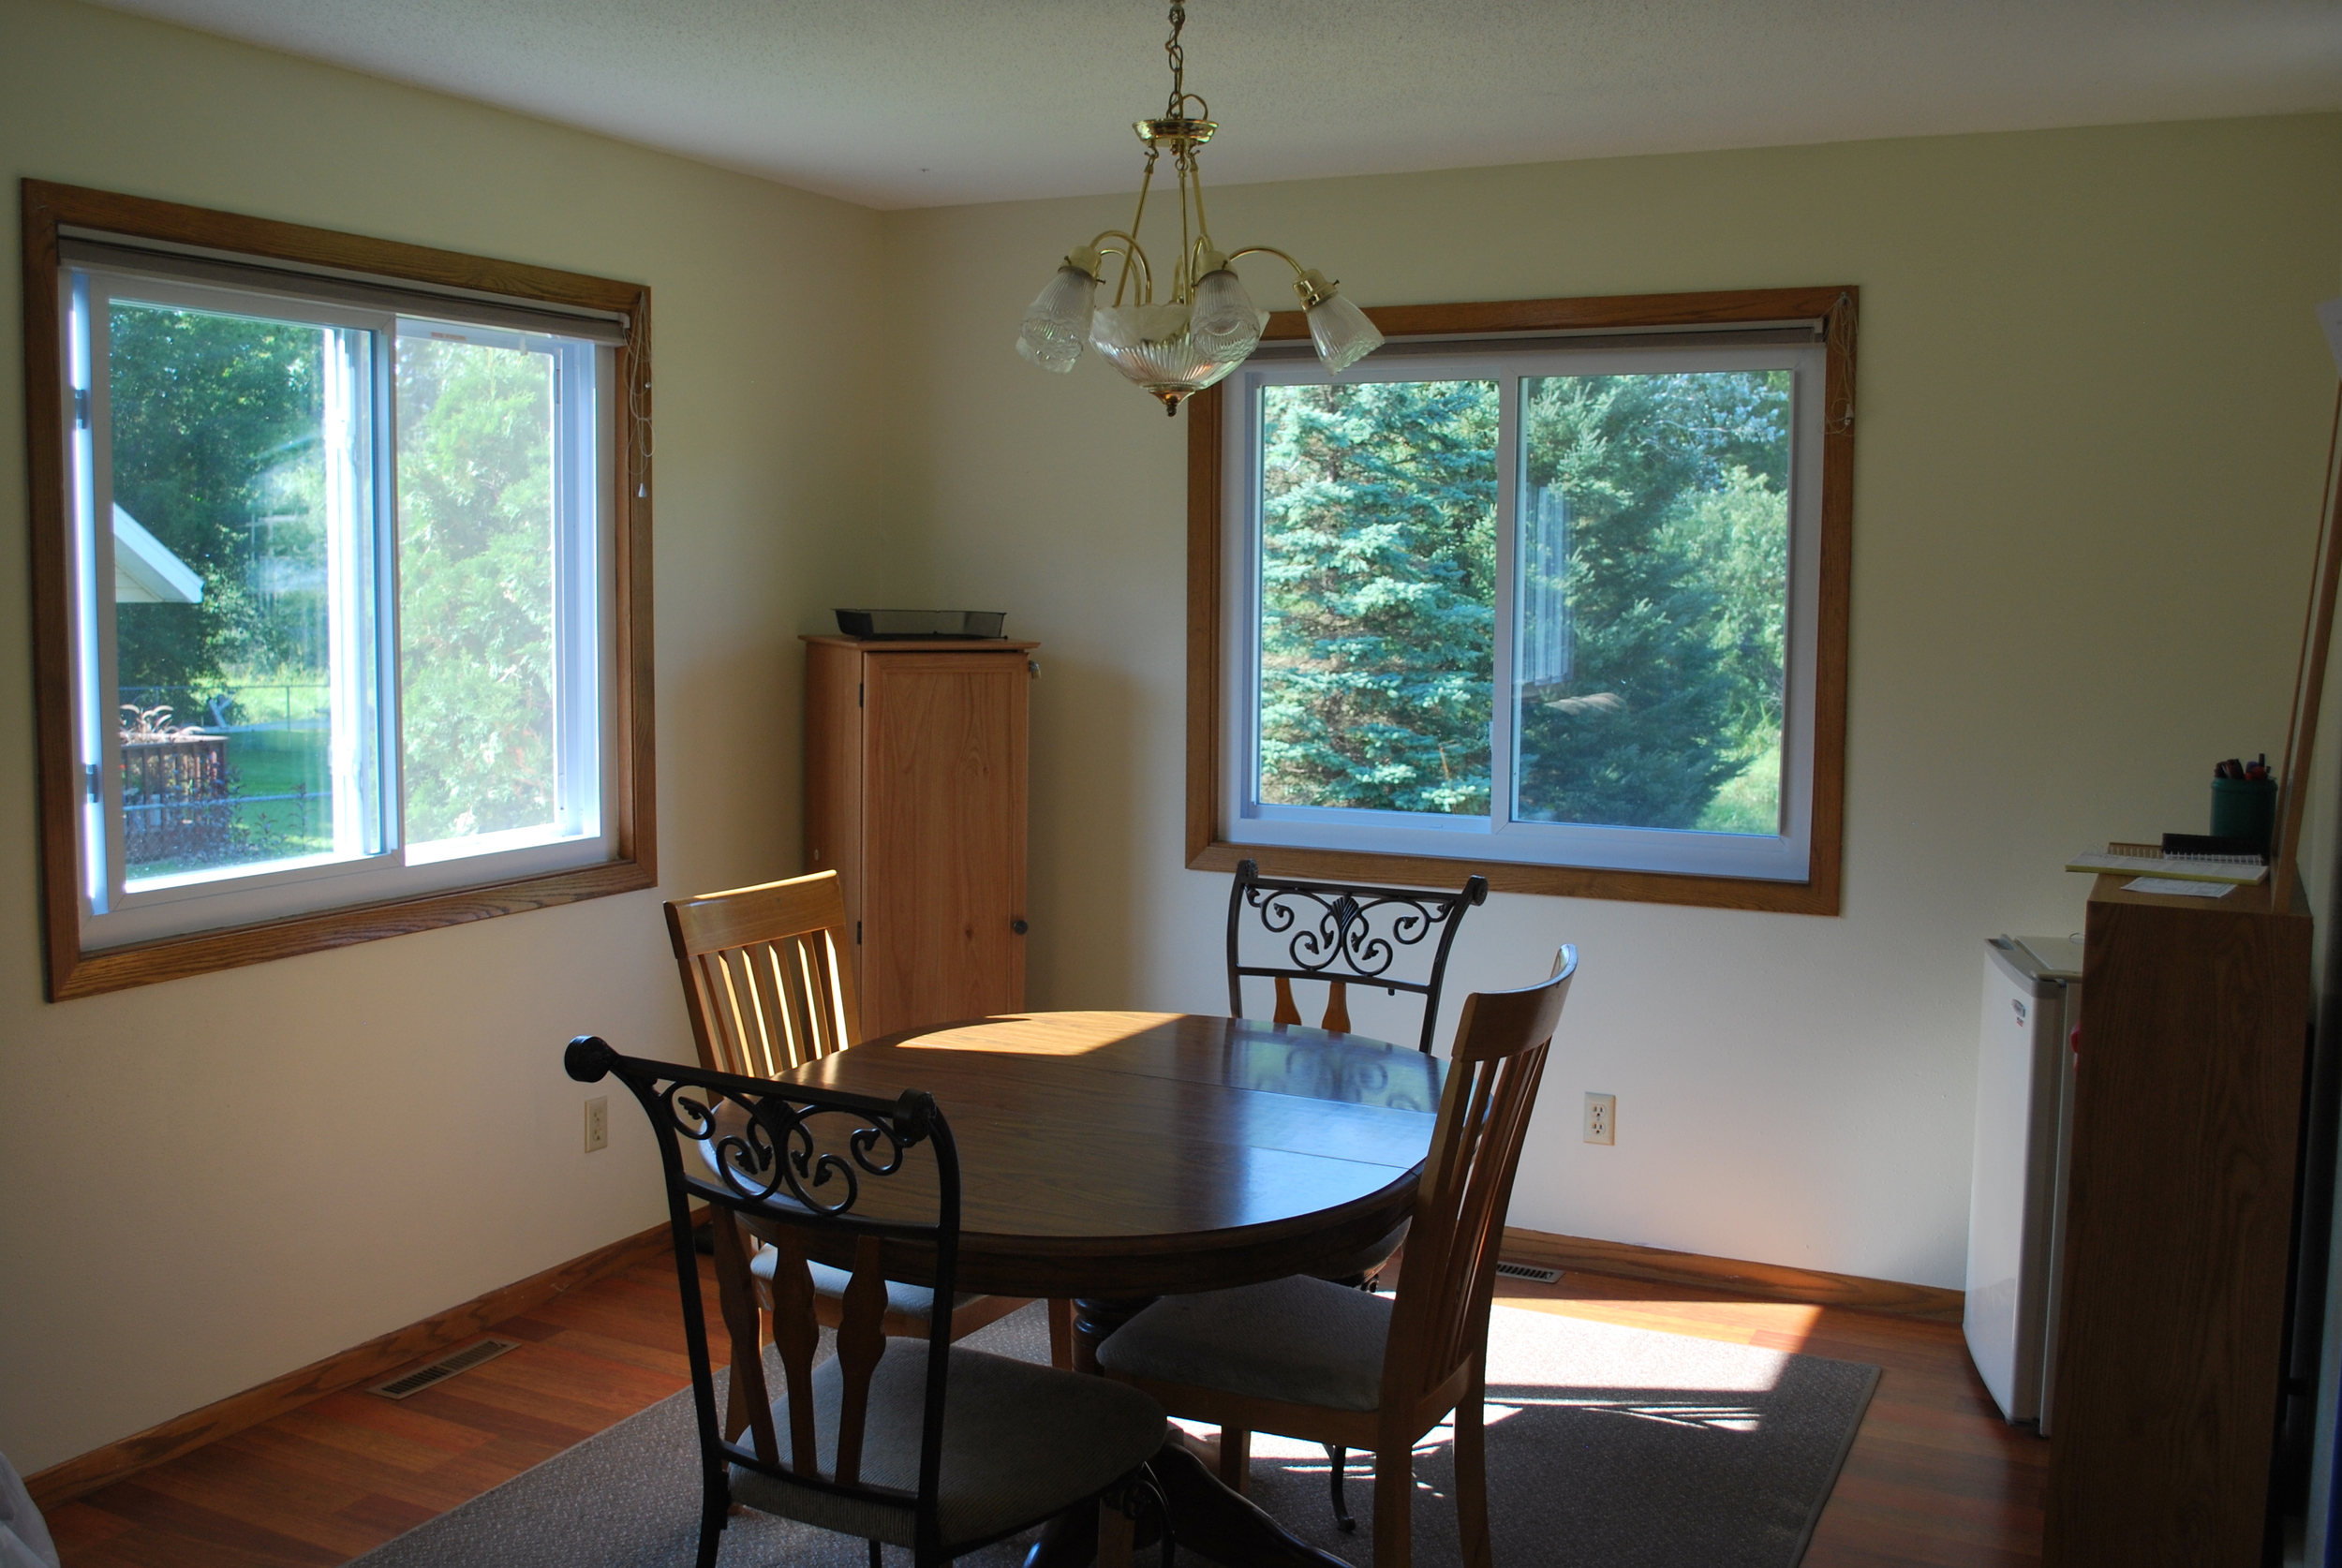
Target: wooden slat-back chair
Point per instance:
(768, 973)
(862, 1443)
(769, 976)
(1379, 1372)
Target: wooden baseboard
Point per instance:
(1765, 1282)
(70, 1478)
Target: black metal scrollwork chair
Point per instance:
(1345, 935)
(911, 1442)
(1342, 934)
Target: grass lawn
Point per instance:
(1750, 801)
(284, 762)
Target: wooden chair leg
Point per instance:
(1061, 1333)
(1394, 1505)
(736, 1412)
(1235, 1458)
(1472, 1473)
(1117, 1532)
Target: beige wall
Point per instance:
(207, 1183)
(2092, 410)
(2093, 407)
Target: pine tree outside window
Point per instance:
(1544, 604)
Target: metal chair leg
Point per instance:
(714, 1514)
(1122, 1508)
(876, 1560)
(1162, 1499)
(1341, 1457)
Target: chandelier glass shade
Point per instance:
(1206, 325)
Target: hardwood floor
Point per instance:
(1935, 1477)
(344, 1473)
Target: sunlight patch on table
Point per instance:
(1043, 1035)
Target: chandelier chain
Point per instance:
(1179, 60)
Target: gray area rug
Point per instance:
(1606, 1446)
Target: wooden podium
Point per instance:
(2195, 1015)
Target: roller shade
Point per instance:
(187, 264)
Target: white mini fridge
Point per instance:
(2024, 1075)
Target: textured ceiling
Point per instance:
(902, 103)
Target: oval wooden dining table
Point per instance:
(1114, 1157)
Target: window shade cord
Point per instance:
(637, 374)
(1839, 328)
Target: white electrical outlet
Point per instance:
(597, 1123)
(1602, 1118)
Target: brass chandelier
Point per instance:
(1207, 325)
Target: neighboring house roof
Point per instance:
(145, 572)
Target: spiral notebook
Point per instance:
(2235, 870)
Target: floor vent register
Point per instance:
(445, 1368)
(1528, 1271)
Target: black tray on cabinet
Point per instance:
(909, 625)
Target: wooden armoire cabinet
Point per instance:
(914, 794)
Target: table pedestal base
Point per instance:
(1208, 1517)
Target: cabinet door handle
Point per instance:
(1018, 926)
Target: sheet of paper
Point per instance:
(2193, 869)
(2184, 889)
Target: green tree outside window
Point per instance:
(1656, 702)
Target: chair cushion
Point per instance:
(1020, 1443)
(24, 1539)
(915, 1300)
(1305, 1342)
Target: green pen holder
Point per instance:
(2245, 809)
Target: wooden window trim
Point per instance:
(1209, 849)
(72, 971)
